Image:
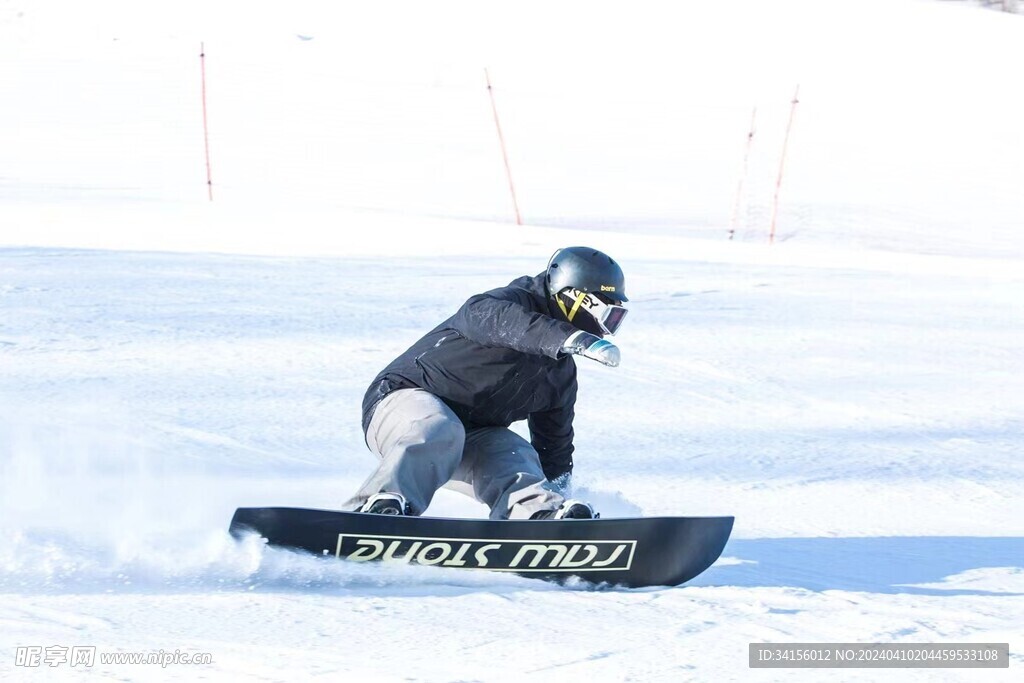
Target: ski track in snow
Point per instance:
(853, 394)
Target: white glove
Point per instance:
(593, 347)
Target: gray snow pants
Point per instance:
(424, 446)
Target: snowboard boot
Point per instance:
(386, 504)
(570, 509)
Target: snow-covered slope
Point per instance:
(852, 393)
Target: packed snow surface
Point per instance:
(853, 393)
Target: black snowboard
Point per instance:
(652, 551)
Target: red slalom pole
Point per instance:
(504, 152)
(743, 175)
(206, 127)
(782, 164)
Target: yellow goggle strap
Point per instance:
(570, 314)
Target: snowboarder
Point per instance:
(439, 413)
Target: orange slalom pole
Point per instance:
(504, 152)
(206, 127)
(743, 175)
(782, 164)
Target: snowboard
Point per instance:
(633, 552)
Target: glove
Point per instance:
(593, 347)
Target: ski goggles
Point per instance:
(606, 313)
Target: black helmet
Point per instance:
(587, 270)
(588, 287)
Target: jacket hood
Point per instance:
(537, 286)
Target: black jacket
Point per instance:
(495, 362)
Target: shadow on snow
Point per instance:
(870, 564)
